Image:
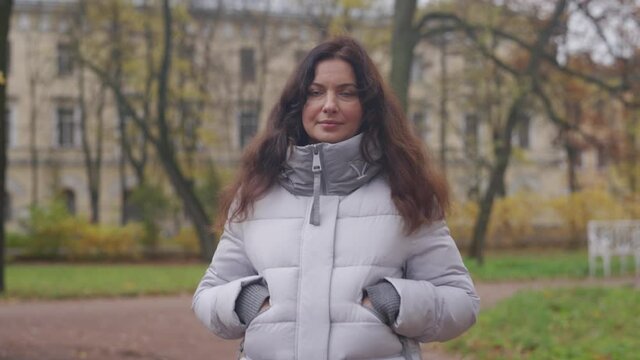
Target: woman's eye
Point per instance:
(315, 93)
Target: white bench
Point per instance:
(613, 238)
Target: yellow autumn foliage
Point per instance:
(105, 242)
(527, 219)
(187, 239)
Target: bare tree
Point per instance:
(135, 158)
(159, 134)
(40, 76)
(404, 40)
(434, 24)
(92, 149)
(134, 143)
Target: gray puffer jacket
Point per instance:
(315, 242)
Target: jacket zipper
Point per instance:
(317, 167)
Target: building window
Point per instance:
(247, 31)
(45, 23)
(69, 198)
(10, 122)
(471, 133)
(7, 207)
(66, 127)
(248, 120)
(24, 22)
(63, 26)
(284, 32)
(416, 70)
(523, 132)
(228, 31)
(65, 59)
(304, 34)
(247, 65)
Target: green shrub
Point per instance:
(153, 205)
(461, 221)
(16, 240)
(106, 242)
(512, 219)
(48, 229)
(510, 223)
(208, 189)
(525, 219)
(575, 211)
(188, 240)
(52, 233)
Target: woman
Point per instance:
(335, 246)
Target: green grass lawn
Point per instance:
(538, 265)
(57, 281)
(598, 323)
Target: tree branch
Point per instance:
(455, 23)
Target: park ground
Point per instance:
(163, 327)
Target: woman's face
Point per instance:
(333, 112)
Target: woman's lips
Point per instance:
(329, 124)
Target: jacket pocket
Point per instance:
(371, 309)
(261, 313)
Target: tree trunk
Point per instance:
(91, 159)
(86, 149)
(572, 164)
(503, 146)
(444, 113)
(33, 143)
(181, 185)
(96, 162)
(498, 172)
(192, 205)
(632, 138)
(403, 42)
(5, 18)
(126, 155)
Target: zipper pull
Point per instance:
(316, 166)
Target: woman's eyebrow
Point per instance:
(339, 85)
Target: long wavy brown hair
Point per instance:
(419, 192)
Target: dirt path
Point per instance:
(161, 328)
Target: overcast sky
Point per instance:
(621, 31)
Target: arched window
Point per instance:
(69, 198)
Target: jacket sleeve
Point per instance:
(214, 300)
(437, 298)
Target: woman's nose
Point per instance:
(330, 105)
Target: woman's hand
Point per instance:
(265, 305)
(367, 303)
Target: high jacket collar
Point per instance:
(328, 169)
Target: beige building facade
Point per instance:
(254, 54)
